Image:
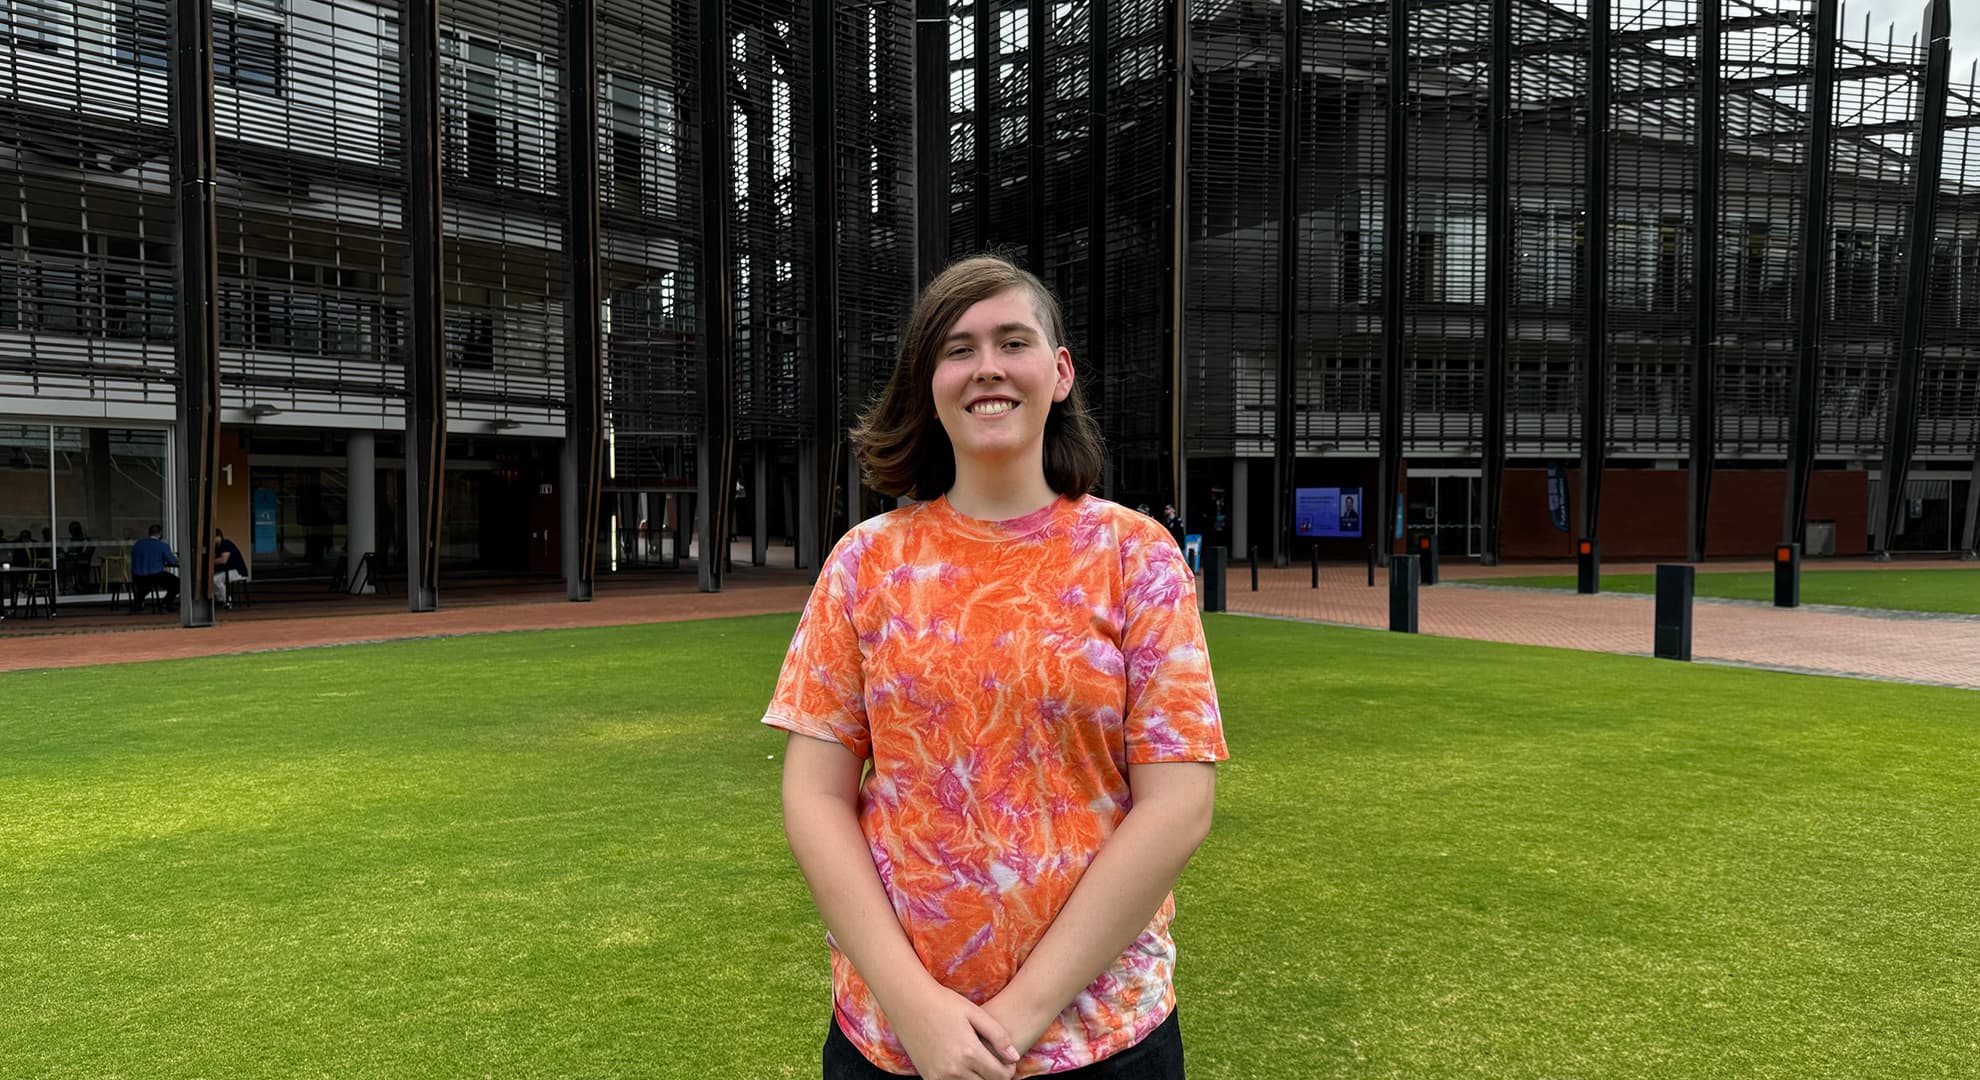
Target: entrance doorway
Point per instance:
(1442, 505)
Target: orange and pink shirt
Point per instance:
(1001, 677)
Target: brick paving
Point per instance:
(1943, 650)
(1911, 647)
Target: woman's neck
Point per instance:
(999, 496)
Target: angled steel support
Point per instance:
(1705, 279)
(1903, 434)
(1498, 275)
(714, 455)
(825, 373)
(584, 352)
(985, 131)
(1175, 241)
(1285, 408)
(931, 139)
(1041, 35)
(1595, 240)
(426, 351)
(1098, 68)
(1395, 262)
(1814, 281)
(195, 269)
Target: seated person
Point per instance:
(149, 558)
(229, 566)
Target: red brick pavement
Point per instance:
(1912, 648)
(1943, 650)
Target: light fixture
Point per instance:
(504, 424)
(262, 412)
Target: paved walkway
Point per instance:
(1943, 650)
(1898, 646)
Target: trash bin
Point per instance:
(1821, 538)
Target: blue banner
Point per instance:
(1557, 495)
(264, 521)
(1327, 512)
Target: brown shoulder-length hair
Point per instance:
(902, 447)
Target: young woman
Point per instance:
(1002, 723)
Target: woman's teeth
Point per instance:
(988, 408)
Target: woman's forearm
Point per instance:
(831, 851)
(1114, 901)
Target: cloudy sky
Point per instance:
(1909, 15)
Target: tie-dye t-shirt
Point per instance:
(1002, 676)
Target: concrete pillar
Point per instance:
(361, 502)
(567, 508)
(1241, 506)
(759, 500)
(809, 508)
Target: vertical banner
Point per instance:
(1557, 495)
(264, 521)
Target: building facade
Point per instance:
(589, 285)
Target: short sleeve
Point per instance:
(821, 692)
(1172, 701)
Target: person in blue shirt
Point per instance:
(229, 566)
(149, 558)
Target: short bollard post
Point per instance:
(1427, 545)
(1213, 578)
(1316, 566)
(1675, 588)
(1588, 567)
(1787, 575)
(1402, 594)
(1371, 566)
(1254, 569)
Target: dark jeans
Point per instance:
(143, 585)
(1157, 1057)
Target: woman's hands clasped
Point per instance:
(950, 1038)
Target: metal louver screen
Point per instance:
(873, 46)
(503, 208)
(650, 214)
(1236, 85)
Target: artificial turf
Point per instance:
(1953, 589)
(558, 854)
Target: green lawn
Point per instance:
(558, 855)
(1954, 590)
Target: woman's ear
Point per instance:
(1063, 387)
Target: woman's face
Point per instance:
(996, 378)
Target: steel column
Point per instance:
(825, 373)
(1395, 262)
(1595, 241)
(931, 139)
(1040, 26)
(718, 338)
(1175, 244)
(584, 356)
(426, 347)
(985, 131)
(1705, 278)
(1285, 456)
(195, 267)
(1815, 241)
(1498, 276)
(1098, 68)
(1903, 434)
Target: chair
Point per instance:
(40, 588)
(116, 575)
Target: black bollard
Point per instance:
(1675, 586)
(1588, 567)
(1371, 566)
(1316, 566)
(1402, 594)
(1787, 575)
(1428, 545)
(1213, 578)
